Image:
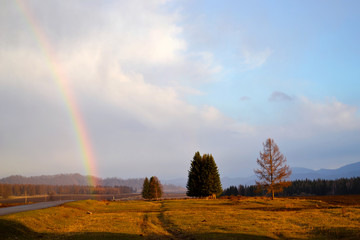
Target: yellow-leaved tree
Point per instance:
(273, 171)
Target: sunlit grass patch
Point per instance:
(245, 218)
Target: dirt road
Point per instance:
(35, 206)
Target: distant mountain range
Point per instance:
(347, 171)
(179, 184)
(78, 179)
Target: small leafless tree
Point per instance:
(273, 171)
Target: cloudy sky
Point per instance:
(155, 81)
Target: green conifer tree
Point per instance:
(194, 180)
(204, 177)
(146, 189)
(213, 180)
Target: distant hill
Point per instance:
(347, 171)
(59, 179)
(78, 179)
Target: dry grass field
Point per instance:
(244, 218)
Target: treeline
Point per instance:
(72, 179)
(7, 190)
(242, 190)
(342, 186)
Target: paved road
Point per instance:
(35, 206)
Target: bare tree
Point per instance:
(273, 171)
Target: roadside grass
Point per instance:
(245, 218)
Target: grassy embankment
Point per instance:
(249, 218)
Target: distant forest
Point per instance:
(80, 180)
(342, 186)
(7, 190)
(72, 179)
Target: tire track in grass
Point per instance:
(174, 232)
(152, 228)
(144, 225)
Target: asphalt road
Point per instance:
(35, 206)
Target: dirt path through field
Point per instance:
(155, 225)
(30, 207)
(173, 231)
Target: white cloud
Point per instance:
(129, 67)
(254, 59)
(331, 115)
(308, 119)
(110, 70)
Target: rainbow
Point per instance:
(62, 83)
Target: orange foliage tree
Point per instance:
(273, 171)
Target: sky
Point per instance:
(140, 86)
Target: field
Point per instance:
(244, 218)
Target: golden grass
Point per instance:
(281, 218)
(248, 218)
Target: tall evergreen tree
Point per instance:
(204, 177)
(273, 171)
(152, 189)
(155, 188)
(214, 177)
(146, 189)
(194, 180)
